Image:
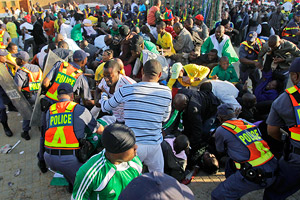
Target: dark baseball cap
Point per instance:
(295, 66)
(156, 186)
(152, 67)
(225, 109)
(23, 55)
(3, 52)
(124, 30)
(117, 138)
(252, 35)
(79, 55)
(64, 88)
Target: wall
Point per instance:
(8, 4)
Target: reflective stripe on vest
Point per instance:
(285, 34)
(66, 74)
(35, 79)
(294, 94)
(60, 134)
(259, 43)
(250, 137)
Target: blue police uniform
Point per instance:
(80, 88)
(236, 185)
(4, 100)
(68, 164)
(282, 114)
(251, 54)
(22, 80)
(290, 31)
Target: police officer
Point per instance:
(248, 53)
(3, 97)
(63, 72)
(253, 163)
(285, 113)
(28, 79)
(65, 125)
(292, 31)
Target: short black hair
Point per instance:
(206, 86)
(109, 52)
(162, 24)
(10, 45)
(112, 64)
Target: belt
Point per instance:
(61, 152)
(295, 150)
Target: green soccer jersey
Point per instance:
(98, 178)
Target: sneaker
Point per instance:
(8, 132)
(42, 165)
(25, 135)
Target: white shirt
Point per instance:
(259, 28)
(72, 44)
(89, 29)
(118, 5)
(132, 6)
(99, 42)
(65, 30)
(226, 92)
(118, 112)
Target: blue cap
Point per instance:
(3, 52)
(225, 109)
(79, 55)
(252, 35)
(64, 88)
(297, 14)
(156, 186)
(23, 55)
(295, 66)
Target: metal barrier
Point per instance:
(210, 9)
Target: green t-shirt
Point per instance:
(76, 33)
(151, 46)
(228, 75)
(98, 178)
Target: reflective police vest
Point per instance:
(60, 134)
(87, 12)
(35, 79)
(258, 42)
(2, 46)
(290, 31)
(250, 137)
(66, 74)
(294, 93)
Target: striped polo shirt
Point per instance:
(146, 106)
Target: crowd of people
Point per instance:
(143, 88)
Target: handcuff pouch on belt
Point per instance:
(253, 175)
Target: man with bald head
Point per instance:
(198, 110)
(280, 54)
(222, 43)
(184, 40)
(146, 106)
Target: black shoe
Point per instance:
(42, 165)
(8, 132)
(70, 188)
(25, 135)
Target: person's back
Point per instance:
(12, 29)
(146, 105)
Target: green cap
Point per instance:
(176, 68)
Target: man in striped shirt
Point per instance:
(106, 174)
(146, 106)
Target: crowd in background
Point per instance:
(170, 78)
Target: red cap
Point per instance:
(199, 17)
(97, 7)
